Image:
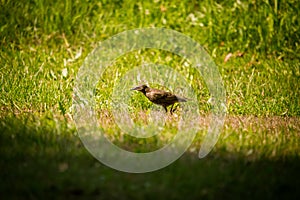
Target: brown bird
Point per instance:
(160, 97)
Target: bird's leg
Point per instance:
(165, 109)
(171, 110)
(175, 108)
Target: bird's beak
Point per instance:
(135, 88)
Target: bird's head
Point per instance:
(141, 88)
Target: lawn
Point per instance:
(255, 46)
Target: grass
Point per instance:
(44, 43)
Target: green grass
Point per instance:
(44, 43)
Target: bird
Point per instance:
(160, 97)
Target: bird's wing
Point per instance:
(157, 95)
(163, 97)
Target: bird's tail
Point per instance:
(181, 99)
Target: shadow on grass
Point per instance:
(41, 161)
